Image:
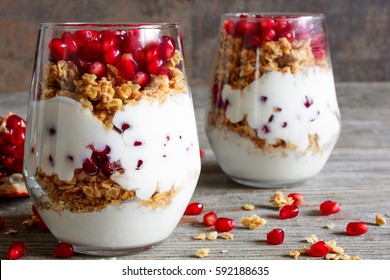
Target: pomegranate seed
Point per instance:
(8, 149)
(252, 28)
(166, 71)
(253, 41)
(280, 24)
(58, 49)
(269, 23)
(82, 62)
(152, 51)
(167, 48)
(275, 236)
(63, 250)
(209, 219)
(112, 56)
(266, 129)
(127, 67)
(319, 249)
(137, 143)
(308, 102)
(229, 27)
(18, 136)
(356, 228)
(81, 37)
(70, 42)
(98, 68)
(297, 198)
(268, 34)
(201, 153)
(139, 56)
(92, 50)
(194, 208)
(319, 53)
(139, 164)
(154, 66)
(16, 250)
(329, 207)
(288, 212)
(14, 121)
(2, 224)
(90, 168)
(224, 224)
(287, 33)
(108, 41)
(131, 43)
(141, 78)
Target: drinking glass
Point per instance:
(273, 117)
(112, 154)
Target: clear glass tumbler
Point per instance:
(273, 117)
(112, 154)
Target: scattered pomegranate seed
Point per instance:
(209, 219)
(356, 228)
(16, 250)
(288, 211)
(297, 197)
(319, 249)
(194, 208)
(329, 207)
(63, 250)
(224, 224)
(201, 153)
(275, 236)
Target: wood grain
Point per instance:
(357, 175)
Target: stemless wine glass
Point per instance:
(273, 117)
(112, 154)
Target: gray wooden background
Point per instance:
(358, 31)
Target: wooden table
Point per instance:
(357, 176)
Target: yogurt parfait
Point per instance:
(111, 154)
(273, 117)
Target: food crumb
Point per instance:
(330, 226)
(253, 222)
(249, 207)
(295, 254)
(212, 235)
(312, 238)
(199, 236)
(279, 200)
(10, 231)
(227, 235)
(204, 252)
(380, 221)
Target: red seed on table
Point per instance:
(209, 219)
(288, 212)
(194, 208)
(319, 249)
(356, 228)
(224, 224)
(297, 197)
(201, 153)
(16, 250)
(275, 236)
(329, 207)
(64, 250)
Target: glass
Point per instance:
(273, 117)
(112, 154)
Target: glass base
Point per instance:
(113, 252)
(268, 184)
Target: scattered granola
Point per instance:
(10, 231)
(227, 235)
(253, 222)
(204, 252)
(248, 207)
(312, 238)
(279, 200)
(295, 254)
(199, 236)
(212, 235)
(330, 226)
(380, 220)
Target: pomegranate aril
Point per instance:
(131, 43)
(152, 51)
(141, 78)
(319, 249)
(16, 251)
(224, 224)
(280, 24)
(137, 143)
(269, 23)
(14, 121)
(154, 66)
(275, 236)
(166, 71)
(229, 27)
(90, 168)
(18, 152)
(82, 63)
(108, 41)
(288, 212)
(167, 48)
(252, 41)
(70, 42)
(329, 207)
(239, 30)
(81, 37)
(287, 33)
(8, 149)
(98, 68)
(92, 50)
(194, 208)
(58, 49)
(126, 66)
(64, 250)
(112, 56)
(356, 228)
(297, 198)
(209, 219)
(201, 153)
(139, 164)
(268, 34)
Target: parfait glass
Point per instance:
(112, 154)
(272, 116)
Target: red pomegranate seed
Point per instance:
(268, 34)
(269, 23)
(154, 66)
(139, 164)
(329, 207)
(201, 153)
(81, 37)
(280, 24)
(166, 71)
(18, 136)
(141, 78)
(209, 219)
(108, 41)
(58, 49)
(152, 51)
(297, 197)
(127, 67)
(137, 143)
(229, 27)
(252, 28)
(240, 29)
(2, 224)
(112, 56)
(14, 121)
(252, 41)
(67, 37)
(90, 168)
(287, 33)
(131, 43)
(356, 228)
(194, 208)
(93, 50)
(275, 236)
(16, 250)
(63, 250)
(167, 48)
(319, 249)
(288, 212)
(98, 68)
(224, 224)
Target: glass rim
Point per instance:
(266, 16)
(108, 26)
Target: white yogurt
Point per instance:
(169, 151)
(279, 106)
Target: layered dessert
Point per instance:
(113, 157)
(273, 115)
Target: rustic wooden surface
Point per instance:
(357, 175)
